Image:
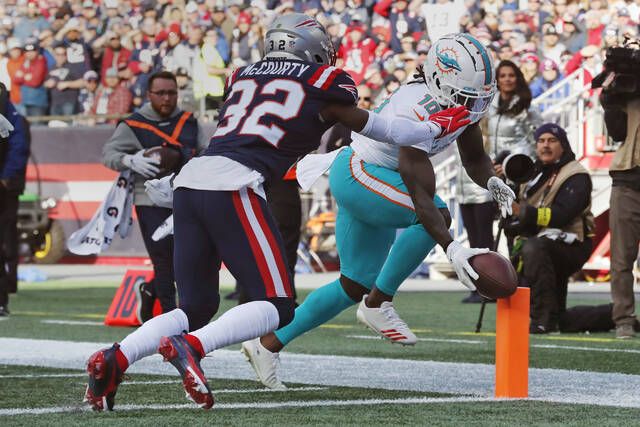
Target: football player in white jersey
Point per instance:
(380, 188)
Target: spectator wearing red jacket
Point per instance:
(112, 98)
(115, 55)
(356, 52)
(30, 77)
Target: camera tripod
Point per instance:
(485, 300)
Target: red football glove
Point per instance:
(451, 119)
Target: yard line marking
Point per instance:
(419, 376)
(372, 337)
(55, 313)
(256, 405)
(72, 322)
(569, 347)
(580, 339)
(225, 391)
(549, 346)
(26, 376)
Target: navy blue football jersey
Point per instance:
(271, 114)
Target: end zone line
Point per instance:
(254, 405)
(375, 337)
(547, 346)
(72, 322)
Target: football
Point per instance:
(170, 159)
(498, 278)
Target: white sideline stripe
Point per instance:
(568, 347)
(465, 379)
(372, 337)
(549, 346)
(25, 376)
(78, 191)
(263, 242)
(72, 322)
(252, 405)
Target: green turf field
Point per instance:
(445, 325)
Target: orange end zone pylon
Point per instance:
(123, 309)
(512, 345)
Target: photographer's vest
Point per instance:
(179, 131)
(543, 198)
(628, 155)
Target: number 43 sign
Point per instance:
(124, 307)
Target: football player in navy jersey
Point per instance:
(275, 112)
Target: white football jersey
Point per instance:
(410, 101)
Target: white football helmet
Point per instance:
(299, 36)
(459, 71)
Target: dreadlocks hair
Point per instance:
(419, 74)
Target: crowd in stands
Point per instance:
(94, 57)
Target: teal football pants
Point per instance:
(373, 203)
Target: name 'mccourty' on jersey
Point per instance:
(271, 113)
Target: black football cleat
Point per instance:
(104, 377)
(177, 350)
(145, 297)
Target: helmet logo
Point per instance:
(447, 60)
(308, 23)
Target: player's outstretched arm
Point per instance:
(417, 173)
(480, 168)
(396, 130)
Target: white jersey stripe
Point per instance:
(379, 187)
(264, 244)
(324, 76)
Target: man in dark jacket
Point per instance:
(554, 224)
(158, 123)
(14, 153)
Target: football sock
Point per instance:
(407, 253)
(321, 305)
(241, 323)
(145, 340)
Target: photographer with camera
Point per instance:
(620, 99)
(508, 128)
(553, 225)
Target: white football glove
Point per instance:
(5, 127)
(502, 194)
(160, 191)
(165, 229)
(459, 256)
(145, 166)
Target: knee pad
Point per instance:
(286, 309)
(200, 313)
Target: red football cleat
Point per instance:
(177, 350)
(104, 377)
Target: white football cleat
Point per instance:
(385, 321)
(264, 363)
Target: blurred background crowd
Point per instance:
(94, 57)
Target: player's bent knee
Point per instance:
(353, 289)
(199, 314)
(286, 309)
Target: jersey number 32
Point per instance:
(247, 116)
